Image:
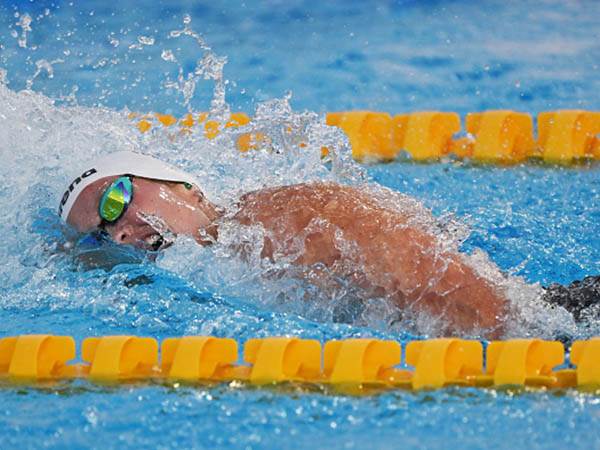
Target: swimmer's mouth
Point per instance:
(160, 237)
(157, 242)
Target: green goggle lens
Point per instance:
(115, 199)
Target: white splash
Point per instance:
(209, 67)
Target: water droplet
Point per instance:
(24, 23)
(146, 40)
(168, 55)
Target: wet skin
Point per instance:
(391, 256)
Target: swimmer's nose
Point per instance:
(123, 235)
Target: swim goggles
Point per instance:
(115, 200)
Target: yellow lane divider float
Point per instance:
(502, 136)
(428, 364)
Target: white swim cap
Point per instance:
(120, 163)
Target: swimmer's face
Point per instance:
(157, 211)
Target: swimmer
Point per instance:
(141, 201)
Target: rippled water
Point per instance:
(88, 65)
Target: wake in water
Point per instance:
(42, 143)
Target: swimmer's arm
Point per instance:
(443, 283)
(471, 301)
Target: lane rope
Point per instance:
(496, 137)
(427, 364)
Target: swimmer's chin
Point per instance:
(207, 236)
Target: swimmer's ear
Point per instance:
(193, 188)
(198, 193)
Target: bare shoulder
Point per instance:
(303, 200)
(301, 204)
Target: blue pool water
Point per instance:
(88, 63)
